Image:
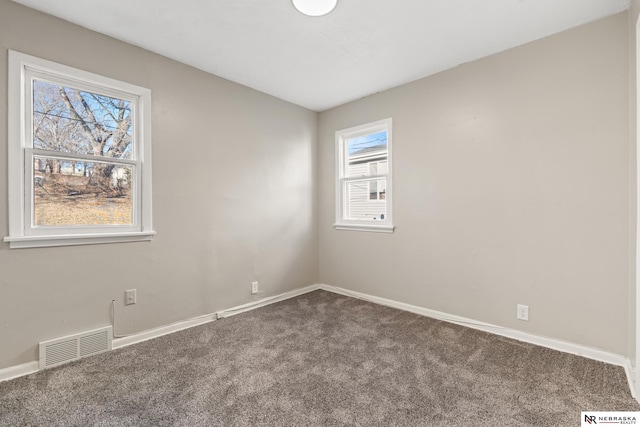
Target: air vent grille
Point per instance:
(93, 344)
(61, 352)
(66, 349)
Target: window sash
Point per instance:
(31, 229)
(347, 204)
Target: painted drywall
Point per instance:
(511, 186)
(634, 12)
(234, 198)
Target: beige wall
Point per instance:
(634, 11)
(511, 185)
(633, 15)
(234, 191)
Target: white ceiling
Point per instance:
(362, 47)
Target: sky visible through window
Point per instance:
(378, 139)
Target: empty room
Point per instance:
(319, 212)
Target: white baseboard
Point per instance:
(31, 367)
(560, 345)
(162, 330)
(19, 371)
(190, 323)
(266, 301)
(555, 344)
(636, 376)
(631, 378)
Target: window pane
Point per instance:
(68, 193)
(373, 190)
(74, 121)
(361, 204)
(382, 189)
(364, 154)
(382, 167)
(373, 168)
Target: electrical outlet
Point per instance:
(523, 312)
(130, 297)
(254, 287)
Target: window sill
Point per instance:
(77, 239)
(375, 228)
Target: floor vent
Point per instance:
(73, 347)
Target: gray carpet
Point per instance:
(320, 359)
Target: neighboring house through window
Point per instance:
(378, 188)
(363, 180)
(79, 156)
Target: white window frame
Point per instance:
(342, 180)
(22, 234)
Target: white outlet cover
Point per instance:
(523, 312)
(130, 297)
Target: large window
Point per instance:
(79, 156)
(363, 177)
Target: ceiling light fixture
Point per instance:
(314, 7)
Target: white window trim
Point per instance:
(380, 226)
(21, 233)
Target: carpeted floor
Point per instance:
(320, 359)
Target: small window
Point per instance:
(363, 179)
(79, 157)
